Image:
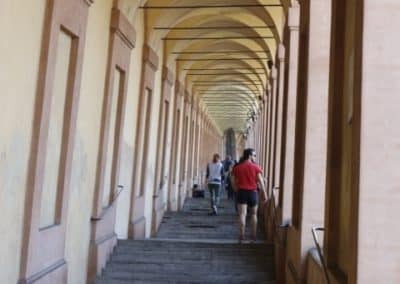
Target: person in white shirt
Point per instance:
(214, 178)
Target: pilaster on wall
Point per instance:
(272, 128)
(380, 135)
(103, 237)
(42, 254)
(279, 120)
(285, 178)
(176, 154)
(192, 145)
(186, 146)
(311, 134)
(291, 109)
(163, 150)
(137, 214)
(198, 167)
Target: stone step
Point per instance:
(192, 247)
(255, 277)
(207, 267)
(190, 251)
(166, 281)
(187, 259)
(193, 243)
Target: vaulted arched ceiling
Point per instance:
(219, 48)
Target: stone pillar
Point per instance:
(284, 210)
(176, 140)
(279, 122)
(379, 195)
(137, 211)
(291, 106)
(196, 150)
(272, 126)
(185, 150)
(266, 142)
(265, 133)
(163, 150)
(311, 134)
(191, 147)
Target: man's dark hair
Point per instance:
(247, 153)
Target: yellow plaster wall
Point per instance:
(21, 25)
(48, 205)
(125, 178)
(87, 140)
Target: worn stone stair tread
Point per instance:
(183, 261)
(127, 275)
(192, 247)
(168, 267)
(187, 254)
(166, 281)
(195, 242)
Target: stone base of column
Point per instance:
(137, 225)
(137, 229)
(99, 253)
(280, 255)
(56, 273)
(182, 197)
(172, 199)
(293, 258)
(158, 211)
(102, 241)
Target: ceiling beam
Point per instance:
(224, 69)
(223, 81)
(217, 38)
(228, 94)
(219, 52)
(222, 59)
(159, 7)
(224, 74)
(214, 28)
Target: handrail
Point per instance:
(319, 250)
(121, 188)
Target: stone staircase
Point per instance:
(192, 247)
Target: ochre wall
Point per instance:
(122, 219)
(86, 144)
(21, 25)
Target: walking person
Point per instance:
(245, 177)
(228, 164)
(214, 178)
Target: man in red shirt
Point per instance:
(245, 177)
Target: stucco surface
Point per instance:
(19, 57)
(87, 141)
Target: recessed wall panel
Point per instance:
(53, 164)
(108, 185)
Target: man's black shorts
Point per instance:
(249, 197)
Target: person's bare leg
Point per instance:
(242, 220)
(253, 222)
